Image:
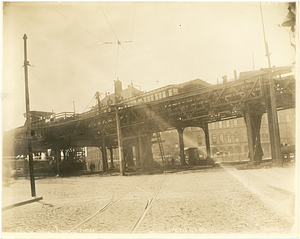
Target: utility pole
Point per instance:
(28, 121)
(120, 141)
(275, 136)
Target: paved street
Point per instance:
(202, 201)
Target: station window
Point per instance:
(148, 98)
(175, 91)
(170, 92)
(156, 96)
(152, 97)
(164, 94)
(160, 95)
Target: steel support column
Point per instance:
(253, 123)
(271, 130)
(104, 154)
(111, 157)
(207, 142)
(181, 146)
(58, 158)
(141, 160)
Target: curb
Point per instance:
(282, 190)
(21, 203)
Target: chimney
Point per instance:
(235, 75)
(224, 79)
(118, 88)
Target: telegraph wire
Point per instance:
(109, 23)
(117, 62)
(75, 23)
(133, 21)
(71, 72)
(119, 44)
(136, 64)
(258, 18)
(67, 53)
(266, 9)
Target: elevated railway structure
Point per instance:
(172, 107)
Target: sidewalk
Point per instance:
(16, 192)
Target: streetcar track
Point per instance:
(147, 208)
(94, 214)
(108, 204)
(141, 216)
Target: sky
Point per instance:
(73, 52)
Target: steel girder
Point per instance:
(214, 103)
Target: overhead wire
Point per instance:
(109, 23)
(89, 103)
(136, 64)
(71, 72)
(258, 18)
(119, 43)
(67, 53)
(133, 21)
(75, 22)
(117, 62)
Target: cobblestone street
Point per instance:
(202, 201)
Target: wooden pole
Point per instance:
(120, 143)
(31, 168)
(273, 111)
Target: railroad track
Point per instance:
(131, 222)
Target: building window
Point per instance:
(175, 91)
(164, 94)
(199, 140)
(213, 126)
(221, 138)
(235, 123)
(156, 96)
(170, 92)
(214, 139)
(152, 97)
(229, 138)
(236, 137)
(220, 124)
(227, 123)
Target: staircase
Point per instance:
(161, 149)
